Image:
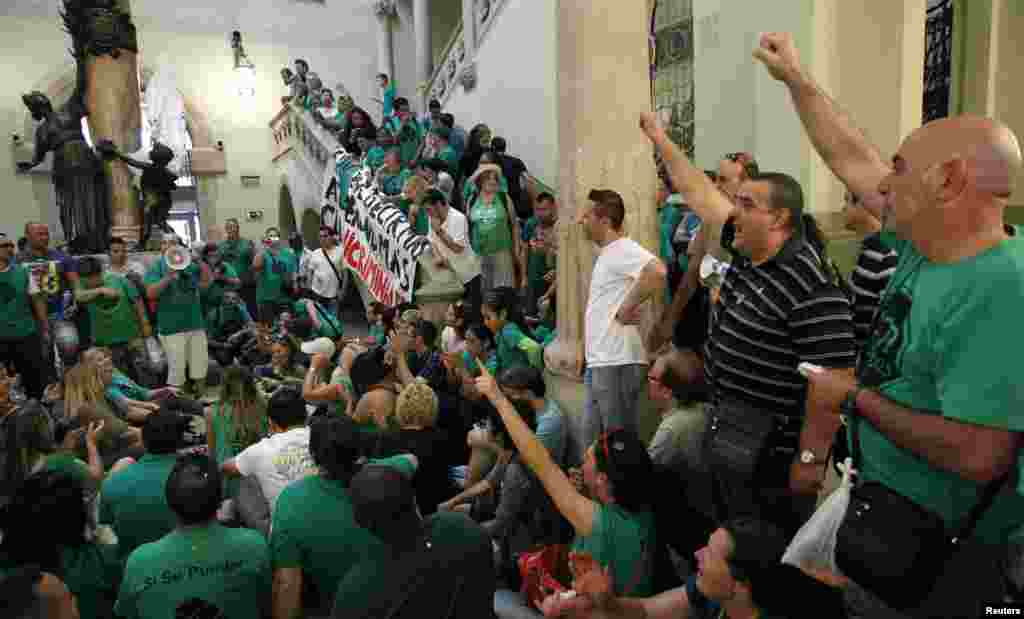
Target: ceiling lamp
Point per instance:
(245, 70)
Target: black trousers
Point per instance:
(26, 355)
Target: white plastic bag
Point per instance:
(814, 545)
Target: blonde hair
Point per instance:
(82, 386)
(416, 406)
(96, 354)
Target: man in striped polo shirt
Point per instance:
(778, 307)
(875, 265)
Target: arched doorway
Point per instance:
(286, 213)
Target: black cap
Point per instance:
(435, 104)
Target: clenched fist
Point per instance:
(778, 53)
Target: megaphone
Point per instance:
(712, 271)
(178, 258)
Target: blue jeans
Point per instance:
(512, 605)
(612, 395)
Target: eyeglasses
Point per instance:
(743, 158)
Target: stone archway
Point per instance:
(286, 213)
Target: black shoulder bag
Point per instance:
(893, 547)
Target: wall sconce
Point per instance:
(245, 70)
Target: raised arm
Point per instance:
(577, 509)
(107, 149)
(700, 193)
(846, 150)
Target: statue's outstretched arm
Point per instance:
(107, 149)
(42, 146)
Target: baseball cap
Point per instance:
(320, 345)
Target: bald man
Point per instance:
(937, 397)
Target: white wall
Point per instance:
(35, 50)
(738, 106)
(517, 88)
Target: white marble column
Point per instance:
(385, 10)
(424, 42)
(469, 26)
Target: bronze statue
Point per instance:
(78, 179)
(297, 87)
(157, 184)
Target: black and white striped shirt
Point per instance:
(875, 266)
(769, 319)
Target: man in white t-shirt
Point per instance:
(449, 237)
(625, 276)
(323, 270)
(284, 456)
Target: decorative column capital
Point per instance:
(384, 9)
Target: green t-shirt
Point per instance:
(422, 224)
(537, 262)
(213, 296)
(64, 462)
(15, 307)
(410, 134)
(230, 439)
(624, 541)
(238, 254)
(330, 324)
(490, 229)
(393, 184)
(222, 322)
(196, 568)
(516, 349)
(375, 157)
(458, 547)
(491, 364)
(945, 343)
(179, 309)
(451, 159)
(114, 321)
(314, 528)
(270, 282)
(132, 501)
(91, 572)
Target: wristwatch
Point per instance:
(807, 457)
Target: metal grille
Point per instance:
(673, 69)
(938, 59)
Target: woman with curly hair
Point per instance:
(416, 413)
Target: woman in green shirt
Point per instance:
(503, 316)
(391, 176)
(614, 528)
(237, 421)
(493, 229)
(46, 524)
(415, 187)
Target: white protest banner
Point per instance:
(378, 243)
